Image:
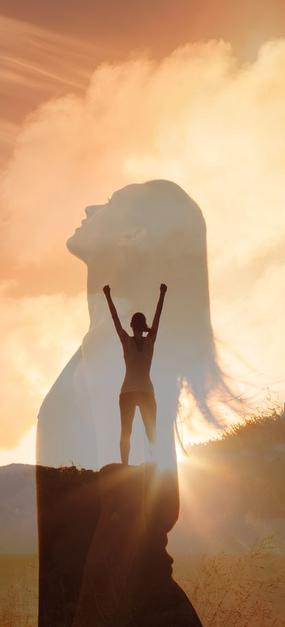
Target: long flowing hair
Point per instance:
(174, 247)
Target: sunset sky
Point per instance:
(96, 95)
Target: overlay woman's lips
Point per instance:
(81, 224)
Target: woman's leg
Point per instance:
(127, 408)
(147, 405)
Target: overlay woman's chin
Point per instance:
(70, 241)
(74, 244)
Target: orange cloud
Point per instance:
(39, 336)
(196, 117)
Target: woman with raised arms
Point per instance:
(137, 389)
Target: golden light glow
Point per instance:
(199, 117)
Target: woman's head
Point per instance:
(138, 323)
(145, 232)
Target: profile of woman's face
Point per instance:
(141, 227)
(106, 228)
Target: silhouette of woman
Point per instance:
(142, 233)
(137, 388)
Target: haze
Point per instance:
(83, 115)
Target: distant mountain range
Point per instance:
(232, 494)
(18, 526)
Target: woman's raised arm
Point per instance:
(121, 332)
(155, 323)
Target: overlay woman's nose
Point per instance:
(91, 209)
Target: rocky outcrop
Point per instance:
(102, 547)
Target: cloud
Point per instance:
(36, 65)
(39, 336)
(36, 57)
(197, 117)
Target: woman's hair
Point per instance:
(138, 322)
(157, 233)
(174, 249)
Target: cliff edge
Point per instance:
(102, 549)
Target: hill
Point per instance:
(232, 490)
(231, 493)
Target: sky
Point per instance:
(96, 97)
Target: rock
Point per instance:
(102, 541)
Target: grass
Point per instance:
(235, 591)
(18, 590)
(226, 590)
(264, 428)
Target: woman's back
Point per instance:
(138, 354)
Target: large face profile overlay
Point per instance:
(144, 236)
